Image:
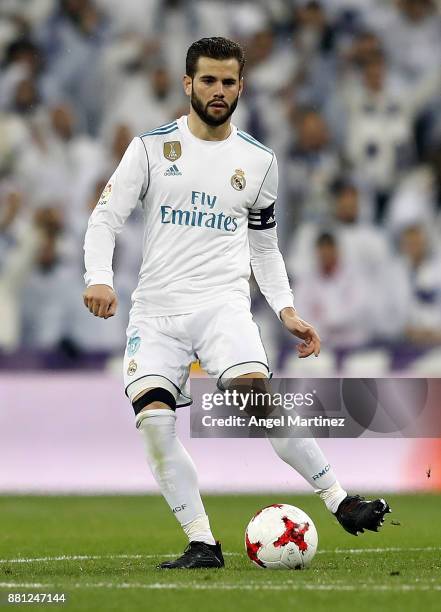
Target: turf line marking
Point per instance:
(250, 586)
(379, 550)
(352, 551)
(97, 557)
(79, 558)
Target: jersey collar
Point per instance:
(183, 125)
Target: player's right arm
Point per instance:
(126, 187)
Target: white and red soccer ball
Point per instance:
(281, 537)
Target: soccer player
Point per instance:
(208, 192)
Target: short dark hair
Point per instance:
(325, 238)
(342, 184)
(215, 47)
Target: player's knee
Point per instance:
(258, 385)
(253, 375)
(254, 381)
(153, 399)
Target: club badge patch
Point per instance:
(172, 150)
(133, 345)
(104, 197)
(133, 366)
(238, 181)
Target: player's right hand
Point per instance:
(101, 300)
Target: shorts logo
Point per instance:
(104, 197)
(238, 181)
(133, 366)
(133, 345)
(172, 150)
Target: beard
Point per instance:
(202, 111)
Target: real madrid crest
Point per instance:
(133, 366)
(104, 197)
(172, 150)
(238, 181)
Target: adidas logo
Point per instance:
(173, 171)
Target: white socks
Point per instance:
(307, 458)
(176, 476)
(174, 471)
(198, 530)
(332, 496)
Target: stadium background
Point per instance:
(347, 94)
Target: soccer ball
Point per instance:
(281, 537)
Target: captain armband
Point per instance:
(262, 219)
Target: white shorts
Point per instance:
(160, 350)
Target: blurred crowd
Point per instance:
(347, 93)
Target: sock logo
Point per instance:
(322, 473)
(179, 508)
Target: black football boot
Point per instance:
(197, 555)
(356, 514)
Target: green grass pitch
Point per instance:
(102, 552)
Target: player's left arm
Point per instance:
(269, 268)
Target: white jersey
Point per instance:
(200, 199)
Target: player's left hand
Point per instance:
(303, 330)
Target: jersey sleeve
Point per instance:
(269, 269)
(126, 187)
(261, 215)
(266, 260)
